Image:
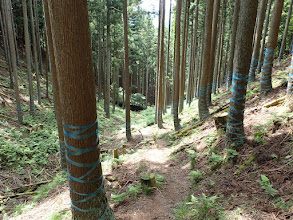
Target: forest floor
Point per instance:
(193, 179)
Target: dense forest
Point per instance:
(111, 110)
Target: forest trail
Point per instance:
(152, 157)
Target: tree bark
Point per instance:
(108, 64)
(243, 50)
(13, 59)
(126, 71)
(176, 67)
(285, 31)
(266, 78)
(255, 54)
(28, 57)
(35, 51)
(232, 45)
(206, 60)
(74, 65)
(56, 87)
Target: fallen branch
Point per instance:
(30, 187)
(275, 102)
(17, 195)
(187, 130)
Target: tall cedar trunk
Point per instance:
(289, 96)
(14, 35)
(74, 67)
(46, 67)
(232, 45)
(243, 50)
(255, 54)
(221, 61)
(286, 31)
(56, 88)
(161, 65)
(183, 56)
(5, 37)
(35, 51)
(168, 61)
(217, 60)
(176, 67)
(39, 48)
(206, 60)
(213, 49)
(126, 71)
(266, 78)
(108, 64)
(267, 21)
(28, 57)
(192, 60)
(158, 69)
(7, 6)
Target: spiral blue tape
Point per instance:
(76, 133)
(19, 113)
(202, 101)
(266, 78)
(290, 84)
(239, 82)
(253, 66)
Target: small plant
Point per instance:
(211, 139)
(118, 198)
(267, 186)
(258, 137)
(280, 203)
(215, 160)
(134, 190)
(192, 155)
(196, 176)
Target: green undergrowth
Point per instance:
(41, 193)
(135, 190)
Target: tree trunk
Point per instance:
(6, 44)
(39, 48)
(35, 52)
(28, 57)
(267, 21)
(56, 87)
(285, 31)
(183, 56)
(7, 6)
(266, 78)
(206, 60)
(176, 66)
(108, 64)
(126, 71)
(232, 45)
(255, 54)
(243, 50)
(74, 67)
(289, 96)
(161, 65)
(213, 49)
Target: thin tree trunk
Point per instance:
(56, 88)
(265, 30)
(108, 64)
(7, 5)
(28, 57)
(6, 44)
(39, 48)
(35, 51)
(176, 66)
(126, 71)
(285, 31)
(260, 21)
(206, 60)
(183, 56)
(233, 38)
(213, 49)
(266, 78)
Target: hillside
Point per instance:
(193, 179)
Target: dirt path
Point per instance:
(152, 157)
